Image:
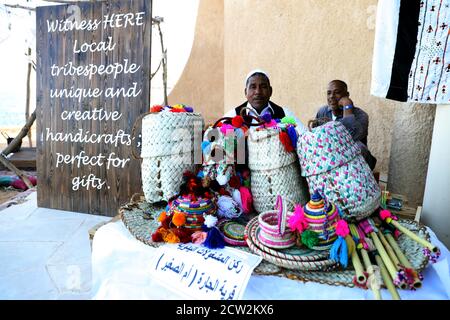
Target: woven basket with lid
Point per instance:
(332, 164)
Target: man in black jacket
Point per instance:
(258, 92)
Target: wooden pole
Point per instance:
(21, 134)
(13, 168)
(27, 105)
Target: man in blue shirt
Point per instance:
(340, 108)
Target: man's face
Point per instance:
(335, 91)
(258, 91)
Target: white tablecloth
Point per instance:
(120, 270)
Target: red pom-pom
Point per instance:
(235, 182)
(156, 108)
(286, 141)
(219, 124)
(237, 121)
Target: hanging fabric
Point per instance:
(411, 59)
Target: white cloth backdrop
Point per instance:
(120, 266)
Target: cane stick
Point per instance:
(399, 279)
(386, 278)
(383, 270)
(391, 219)
(369, 228)
(360, 277)
(403, 259)
(362, 245)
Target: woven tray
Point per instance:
(140, 218)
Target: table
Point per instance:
(120, 271)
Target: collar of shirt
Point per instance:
(267, 109)
(333, 117)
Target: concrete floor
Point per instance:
(45, 253)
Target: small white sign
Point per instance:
(201, 273)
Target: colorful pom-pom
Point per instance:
(162, 216)
(309, 238)
(288, 120)
(237, 121)
(342, 229)
(210, 221)
(179, 219)
(298, 221)
(156, 108)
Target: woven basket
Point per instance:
(333, 165)
(170, 143)
(274, 171)
(274, 233)
(315, 262)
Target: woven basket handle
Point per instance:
(133, 134)
(221, 119)
(282, 214)
(258, 119)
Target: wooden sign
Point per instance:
(93, 81)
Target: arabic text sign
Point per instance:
(201, 273)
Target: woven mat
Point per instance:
(140, 218)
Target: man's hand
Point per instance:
(346, 101)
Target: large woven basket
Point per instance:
(333, 165)
(170, 145)
(274, 171)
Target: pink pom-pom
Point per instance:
(397, 233)
(298, 221)
(342, 229)
(226, 128)
(271, 124)
(385, 214)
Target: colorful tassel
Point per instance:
(339, 250)
(214, 239)
(292, 135)
(286, 141)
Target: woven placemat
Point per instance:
(141, 219)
